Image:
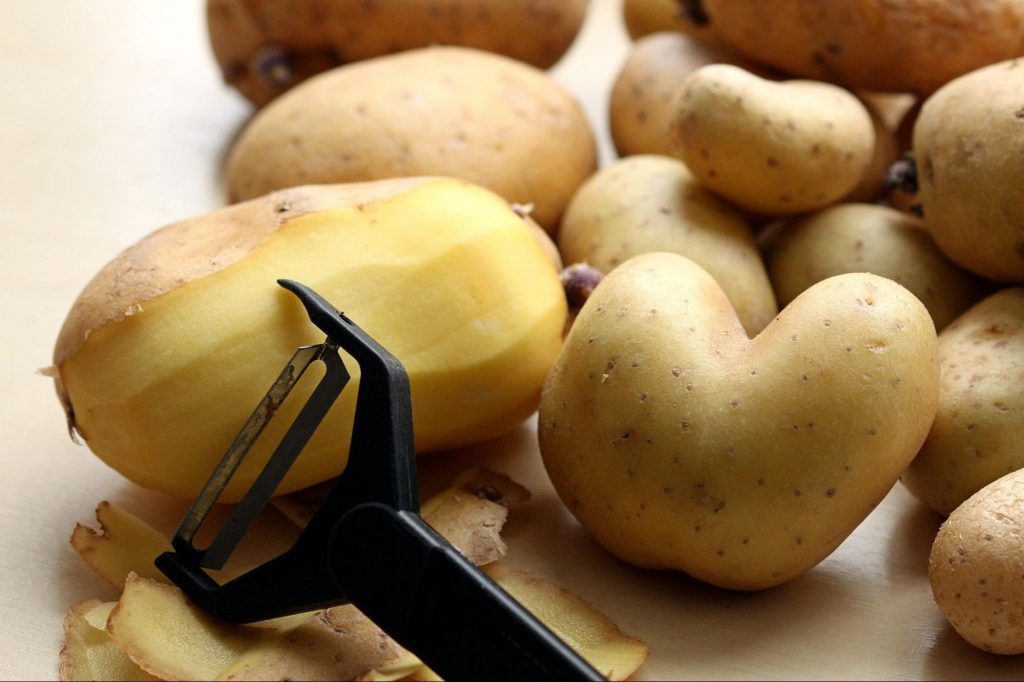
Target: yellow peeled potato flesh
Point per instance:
(89, 653)
(445, 275)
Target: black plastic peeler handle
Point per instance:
(367, 544)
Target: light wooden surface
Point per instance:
(114, 122)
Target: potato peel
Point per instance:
(124, 544)
(89, 653)
(165, 635)
(335, 644)
(589, 632)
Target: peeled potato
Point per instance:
(190, 322)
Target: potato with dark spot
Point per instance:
(977, 567)
(773, 148)
(969, 145)
(978, 434)
(896, 46)
(643, 17)
(869, 238)
(680, 443)
(449, 111)
(640, 106)
(265, 48)
(652, 203)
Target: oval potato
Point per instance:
(969, 143)
(978, 434)
(869, 238)
(265, 48)
(977, 567)
(450, 111)
(908, 46)
(773, 148)
(652, 203)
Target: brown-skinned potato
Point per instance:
(909, 46)
(265, 48)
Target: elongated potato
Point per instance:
(978, 434)
(969, 145)
(906, 46)
(652, 203)
(640, 107)
(437, 111)
(264, 48)
(773, 148)
(170, 347)
(869, 238)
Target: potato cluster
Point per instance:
(812, 248)
(687, 425)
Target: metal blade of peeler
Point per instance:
(291, 444)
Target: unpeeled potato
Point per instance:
(651, 203)
(464, 113)
(264, 48)
(640, 106)
(772, 148)
(977, 567)
(906, 46)
(679, 442)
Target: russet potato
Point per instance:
(171, 346)
(680, 443)
(907, 46)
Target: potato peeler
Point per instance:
(367, 544)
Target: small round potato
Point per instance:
(640, 107)
(459, 112)
(267, 47)
(978, 433)
(895, 46)
(969, 144)
(773, 148)
(869, 238)
(977, 567)
(652, 203)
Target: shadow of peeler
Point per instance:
(367, 544)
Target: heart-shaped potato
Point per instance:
(678, 442)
